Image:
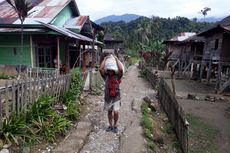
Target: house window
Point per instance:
(44, 57)
(216, 44)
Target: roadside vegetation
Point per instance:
(201, 136)
(4, 76)
(45, 119)
(159, 133)
(144, 29)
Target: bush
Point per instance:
(76, 83)
(69, 98)
(15, 130)
(4, 76)
(73, 108)
(41, 108)
(45, 121)
(41, 121)
(143, 73)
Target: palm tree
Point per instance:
(143, 30)
(204, 11)
(22, 8)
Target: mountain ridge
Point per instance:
(115, 18)
(130, 17)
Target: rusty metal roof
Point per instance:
(215, 29)
(193, 39)
(68, 33)
(225, 21)
(77, 22)
(43, 10)
(227, 27)
(6, 30)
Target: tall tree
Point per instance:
(144, 30)
(22, 8)
(204, 11)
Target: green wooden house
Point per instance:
(54, 29)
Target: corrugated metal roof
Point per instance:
(226, 28)
(182, 36)
(214, 29)
(5, 30)
(193, 39)
(44, 10)
(225, 21)
(76, 23)
(68, 33)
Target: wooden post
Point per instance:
(67, 56)
(7, 100)
(17, 96)
(31, 51)
(84, 61)
(191, 71)
(38, 88)
(80, 57)
(218, 79)
(13, 97)
(22, 94)
(58, 54)
(201, 70)
(91, 67)
(209, 69)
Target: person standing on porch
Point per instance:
(56, 62)
(112, 97)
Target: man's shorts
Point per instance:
(115, 106)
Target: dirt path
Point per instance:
(129, 138)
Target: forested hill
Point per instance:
(144, 29)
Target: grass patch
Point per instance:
(143, 73)
(134, 60)
(147, 126)
(157, 132)
(168, 128)
(201, 136)
(4, 76)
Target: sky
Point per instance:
(163, 8)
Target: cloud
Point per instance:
(163, 8)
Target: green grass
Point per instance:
(4, 76)
(168, 128)
(147, 126)
(201, 136)
(134, 60)
(154, 127)
(143, 73)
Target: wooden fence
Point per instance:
(38, 72)
(174, 113)
(171, 108)
(153, 79)
(19, 95)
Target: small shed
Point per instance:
(175, 46)
(191, 56)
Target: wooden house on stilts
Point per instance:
(216, 55)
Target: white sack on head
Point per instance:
(110, 64)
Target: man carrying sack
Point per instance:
(111, 70)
